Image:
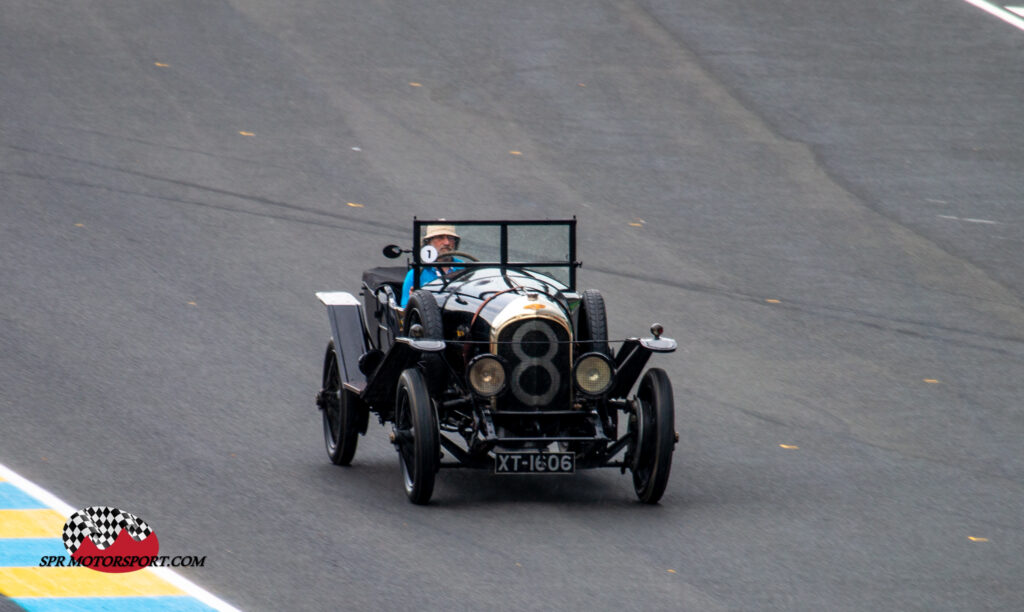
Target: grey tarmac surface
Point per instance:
(785, 188)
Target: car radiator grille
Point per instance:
(537, 352)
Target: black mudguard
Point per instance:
(379, 392)
(349, 334)
(631, 359)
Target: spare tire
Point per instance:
(592, 324)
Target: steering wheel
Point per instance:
(448, 278)
(451, 254)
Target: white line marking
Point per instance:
(999, 12)
(194, 589)
(57, 504)
(1016, 9)
(35, 491)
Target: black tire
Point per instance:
(416, 436)
(422, 308)
(342, 419)
(592, 324)
(656, 432)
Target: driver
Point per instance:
(445, 240)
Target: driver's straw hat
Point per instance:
(440, 230)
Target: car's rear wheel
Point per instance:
(416, 436)
(653, 426)
(340, 412)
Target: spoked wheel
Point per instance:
(341, 413)
(416, 436)
(653, 426)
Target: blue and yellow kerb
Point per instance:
(31, 528)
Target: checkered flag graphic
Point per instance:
(102, 524)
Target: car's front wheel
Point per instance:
(416, 436)
(653, 427)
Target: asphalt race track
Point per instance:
(822, 202)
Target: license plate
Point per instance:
(534, 463)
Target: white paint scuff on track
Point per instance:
(969, 220)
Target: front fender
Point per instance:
(405, 353)
(631, 359)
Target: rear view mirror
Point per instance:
(392, 251)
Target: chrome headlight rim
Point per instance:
(581, 362)
(481, 361)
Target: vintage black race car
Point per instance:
(496, 363)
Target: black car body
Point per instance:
(499, 364)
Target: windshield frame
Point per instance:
(503, 264)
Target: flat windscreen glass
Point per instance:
(543, 247)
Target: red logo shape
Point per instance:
(110, 540)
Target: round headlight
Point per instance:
(487, 375)
(593, 374)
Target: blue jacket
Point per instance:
(426, 275)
